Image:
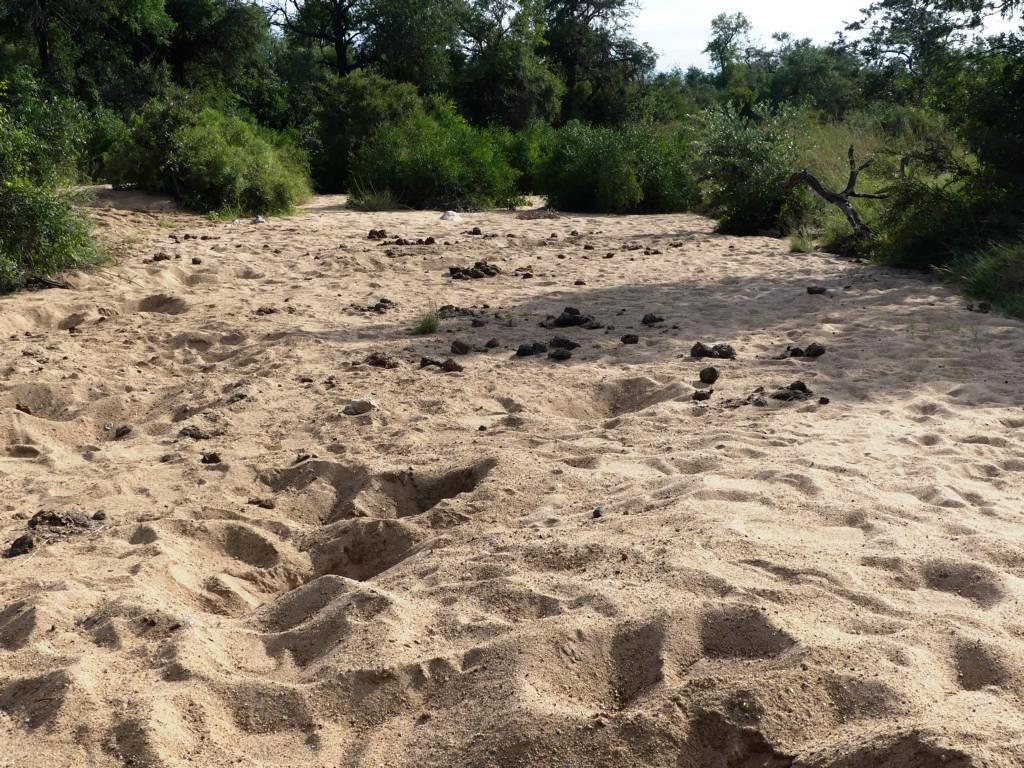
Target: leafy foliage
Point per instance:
(436, 160)
(627, 170)
(214, 163)
(744, 159)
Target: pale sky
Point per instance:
(679, 29)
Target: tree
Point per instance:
(730, 34)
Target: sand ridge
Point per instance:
(525, 563)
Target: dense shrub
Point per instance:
(744, 158)
(352, 108)
(40, 233)
(214, 163)
(435, 160)
(639, 168)
(528, 151)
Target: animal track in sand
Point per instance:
(742, 632)
(340, 492)
(163, 304)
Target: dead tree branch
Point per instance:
(840, 199)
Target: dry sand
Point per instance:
(790, 585)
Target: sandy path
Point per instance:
(797, 584)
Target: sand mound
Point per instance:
(593, 558)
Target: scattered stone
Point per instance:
(716, 351)
(709, 375)
(478, 270)
(560, 354)
(382, 306)
(823, 401)
(377, 234)
(162, 257)
(23, 408)
(652, 319)
(478, 322)
(561, 342)
(196, 260)
(21, 545)
(795, 391)
(817, 290)
(580, 282)
(529, 350)
(122, 432)
(450, 216)
(259, 220)
(100, 516)
(382, 360)
(450, 366)
(266, 311)
(460, 348)
(702, 394)
(598, 513)
(814, 350)
(195, 433)
(210, 457)
(571, 318)
(492, 343)
(475, 231)
(359, 407)
(262, 502)
(984, 307)
(630, 338)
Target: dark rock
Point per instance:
(571, 318)
(795, 391)
(479, 270)
(561, 342)
(381, 360)
(815, 350)
(823, 401)
(210, 457)
(100, 516)
(580, 282)
(266, 311)
(23, 408)
(196, 260)
(194, 432)
(377, 234)
(478, 322)
(21, 545)
(630, 338)
(717, 351)
(492, 343)
(709, 375)
(262, 503)
(450, 366)
(560, 354)
(817, 290)
(122, 432)
(528, 350)
(702, 394)
(460, 348)
(651, 319)
(598, 513)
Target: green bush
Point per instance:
(744, 158)
(527, 151)
(40, 234)
(995, 273)
(636, 169)
(352, 108)
(436, 160)
(214, 163)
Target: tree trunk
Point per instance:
(840, 199)
(339, 31)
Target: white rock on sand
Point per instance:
(793, 584)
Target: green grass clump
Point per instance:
(801, 242)
(429, 324)
(369, 199)
(994, 274)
